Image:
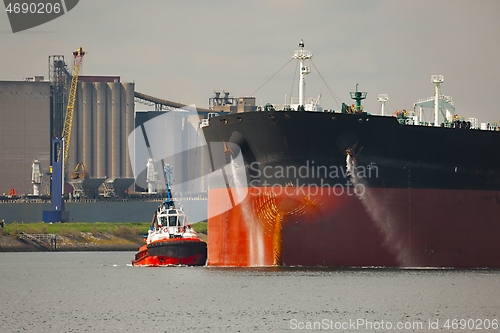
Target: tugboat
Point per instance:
(171, 240)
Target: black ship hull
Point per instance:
(354, 190)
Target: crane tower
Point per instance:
(60, 149)
(68, 118)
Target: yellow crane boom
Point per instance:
(68, 118)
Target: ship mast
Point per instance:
(358, 96)
(437, 79)
(383, 98)
(302, 55)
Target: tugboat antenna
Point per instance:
(167, 170)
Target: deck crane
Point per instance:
(68, 118)
(60, 149)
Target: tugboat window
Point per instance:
(164, 221)
(172, 221)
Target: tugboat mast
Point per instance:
(304, 70)
(167, 171)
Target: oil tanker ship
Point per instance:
(351, 189)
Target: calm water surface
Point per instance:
(101, 292)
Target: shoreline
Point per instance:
(77, 237)
(83, 242)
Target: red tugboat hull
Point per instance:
(172, 252)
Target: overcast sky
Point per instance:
(183, 50)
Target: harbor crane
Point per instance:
(60, 149)
(70, 109)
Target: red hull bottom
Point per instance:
(156, 261)
(383, 227)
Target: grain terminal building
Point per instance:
(104, 117)
(105, 123)
(24, 132)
